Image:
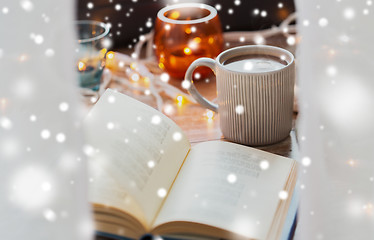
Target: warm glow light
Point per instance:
(197, 40)
(211, 40)
(81, 66)
(188, 30)
(368, 208)
(351, 163)
(187, 51)
(110, 55)
(161, 65)
(175, 15)
(23, 58)
(133, 66)
(180, 100)
(210, 114)
(332, 52)
(135, 77)
(3, 102)
(102, 52)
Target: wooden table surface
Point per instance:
(194, 122)
(192, 117)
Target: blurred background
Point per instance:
(130, 19)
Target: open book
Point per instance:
(146, 178)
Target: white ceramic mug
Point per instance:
(255, 87)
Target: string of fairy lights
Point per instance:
(146, 77)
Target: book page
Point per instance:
(139, 147)
(223, 185)
(105, 191)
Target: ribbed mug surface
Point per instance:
(266, 100)
(255, 108)
(255, 105)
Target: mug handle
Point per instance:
(207, 62)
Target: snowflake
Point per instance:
(60, 137)
(31, 187)
(118, 7)
(231, 178)
(239, 109)
(38, 39)
(186, 84)
(258, 39)
(151, 164)
(323, 22)
(197, 75)
(50, 215)
(5, 10)
(156, 120)
(349, 13)
(264, 164)
(49, 52)
(283, 195)
(6, 123)
(164, 77)
(291, 40)
(331, 71)
(306, 161)
(111, 99)
(90, 5)
(306, 23)
(33, 118)
(161, 192)
(177, 136)
(64, 107)
(45, 134)
(27, 5)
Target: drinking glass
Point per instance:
(90, 55)
(185, 32)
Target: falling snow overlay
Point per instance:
(335, 125)
(39, 139)
(42, 149)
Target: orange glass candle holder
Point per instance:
(185, 32)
